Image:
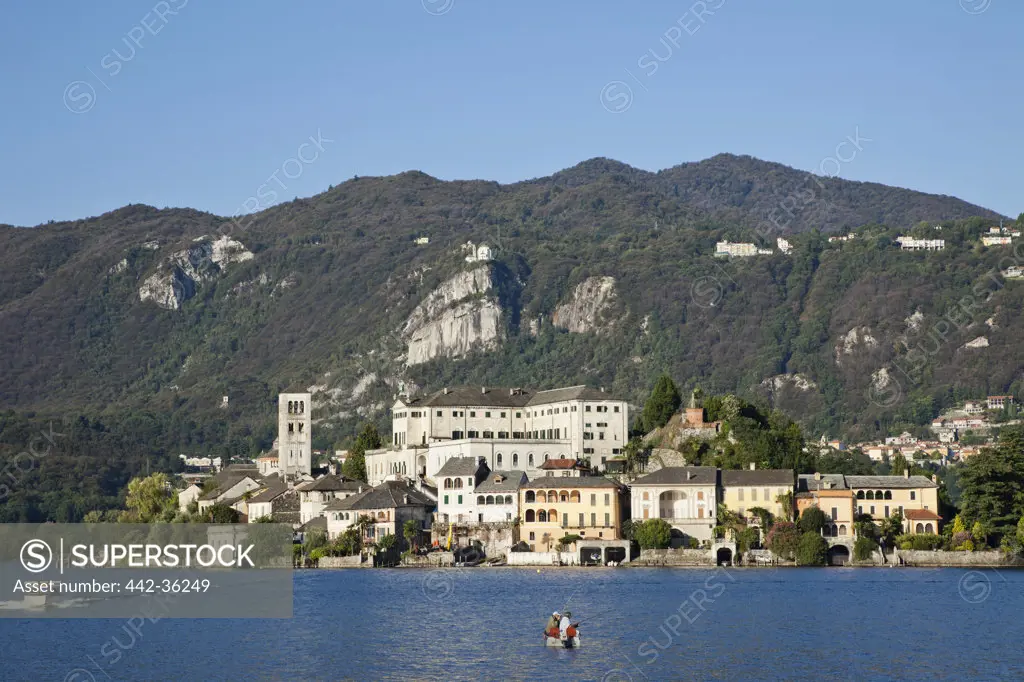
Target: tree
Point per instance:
(662, 404)
(812, 550)
(355, 463)
(653, 534)
(221, 513)
(629, 527)
(892, 527)
(898, 464)
(864, 548)
(992, 484)
(783, 539)
(567, 540)
(314, 539)
(387, 543)
(150, 499)
(812, 520)
(411, 532)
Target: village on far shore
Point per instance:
(514, 476)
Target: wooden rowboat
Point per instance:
(568, 642)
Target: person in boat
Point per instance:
(551, 629)
(564, 624)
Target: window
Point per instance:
(519, 415)
(616, 451)
(502, 415)
(440, 413)
(515, 459)
(886, 511)
(646, 496)
(607, 500)
(607, 520)
(581, 519)
(588, 451)
(472, 434)
(913, 494)
(533, 535)
(860, 508)
(753, 494)
(587, 408)
(502, 435)
(616, 409)
(446, 499)
(872, 510)
(593, 499)
(767, 495)
(488, 434)
(739, 493)
(455, 413)
(487, 415)
(600, 435)
(531, 459)
(565, 520)
(460, 499)
(498, 460)
(835, 513)
(573, 408)
(472, 413)
(593, 520)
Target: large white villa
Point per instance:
(509, 428)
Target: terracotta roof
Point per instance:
(921, 515)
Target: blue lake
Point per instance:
(648, 624)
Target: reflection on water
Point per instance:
(636, 624)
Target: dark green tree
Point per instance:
(992, 484)
(812, 520)
(653, 534)
(662, 404)
(812, 550)
(355, 464)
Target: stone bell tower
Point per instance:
(294, 440)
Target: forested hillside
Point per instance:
(601, 274)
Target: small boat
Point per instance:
(567, 643)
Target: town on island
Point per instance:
(489, 476)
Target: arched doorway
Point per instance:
(421, 465)
(838, 555)
(723, 557)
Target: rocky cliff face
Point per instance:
(588, 307)
(458, 316)
(180, 275)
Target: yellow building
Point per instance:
(765, 488)
(552, 507)
(831, 494)
(917, 497)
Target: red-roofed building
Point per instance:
(921, 521)
(564, 467)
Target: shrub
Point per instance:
(813, 520)
(959, 541)
(653, 534)
(864, 548)
(812, 550)
(747, 539)
(783, 539)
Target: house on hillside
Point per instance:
(771, 489)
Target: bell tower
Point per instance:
(294, 440)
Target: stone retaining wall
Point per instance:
(342, 562)
(943, 558)
(543, 558)
(674, 557)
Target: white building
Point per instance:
(294, 440)
(996, 241)
(784, 245)
(511, 428)
(912, 244)
(315, 495)
(470, 492)
(974, 407)
(685, 497)
(725, 248)
(187, 496)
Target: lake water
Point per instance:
(647, 624)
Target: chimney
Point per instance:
(817, 475)
(935, 479)
(602, 389)
(446, 390)
(689, 475)
(405, 499)
(753, 466)
(906, 473)
(483, 389)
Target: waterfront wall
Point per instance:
(342, 562)
(432, 560)
(943, 558)
(674, 557)
(543, 558)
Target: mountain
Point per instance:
(600, 274)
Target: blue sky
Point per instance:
(123, 101)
